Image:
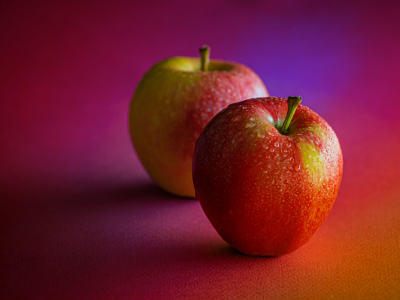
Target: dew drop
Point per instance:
(235, 119)
(297, 168)
(276, 144)
(252, 119)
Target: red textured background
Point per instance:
(80, 218)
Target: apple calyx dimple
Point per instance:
(293, 102)
(205, 57)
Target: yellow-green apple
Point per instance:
(171, 105)
(266, 172)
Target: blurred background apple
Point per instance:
(173, 102)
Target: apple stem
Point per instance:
(205, 57)
(293, 102)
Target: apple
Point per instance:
(266, 172)
(171, 105)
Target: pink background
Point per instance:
(80, 218)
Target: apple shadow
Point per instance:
(145, 192)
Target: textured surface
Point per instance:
(79, 217)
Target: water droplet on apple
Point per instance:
(297, 168)
(272, 150)
(209, 109)
(276, 144)
(249, 125)
(235, 119)
(252, 119)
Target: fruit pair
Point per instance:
(266, 174)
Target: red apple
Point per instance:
(171, 105)
(267, 176)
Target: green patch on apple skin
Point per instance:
(316, 128)
(190, 64)
(312, 160)
(181, 64)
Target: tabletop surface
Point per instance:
(81, 219)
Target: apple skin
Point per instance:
(170, 107)
(266, 193)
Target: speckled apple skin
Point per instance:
(266, 193)
(170, 107)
